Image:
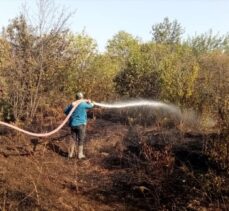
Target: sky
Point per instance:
(102, 19)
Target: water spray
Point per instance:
(141, 103)
(154, 104)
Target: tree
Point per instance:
(20, 38)
(213, 86)
(161, 73)
(121, 47)
(101, 85)
(208, 42)
(39, 55)
(178, 73)
(83, 50)
(140, 77)
(167, 32)
(4, 61)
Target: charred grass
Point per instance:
(129, 166)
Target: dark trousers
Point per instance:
(78, 133)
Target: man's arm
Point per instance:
(88, 104)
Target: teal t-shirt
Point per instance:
(79, 116)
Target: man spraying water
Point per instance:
(78, 122)
(79, 118)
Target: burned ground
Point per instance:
(127, 168)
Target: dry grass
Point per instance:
(129, 167)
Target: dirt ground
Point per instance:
(36, 174)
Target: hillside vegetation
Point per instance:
(138, 159)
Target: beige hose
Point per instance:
(76, 103)
(153, 104)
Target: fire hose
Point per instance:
(116, 105)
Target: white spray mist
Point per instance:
(142, 103)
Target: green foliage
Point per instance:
(83, 50)
(167, 32)
(178, 74)
(122, 47)
(140, 76)
(90, 72)
(103, 71)
(207, 42)
(160, 71)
